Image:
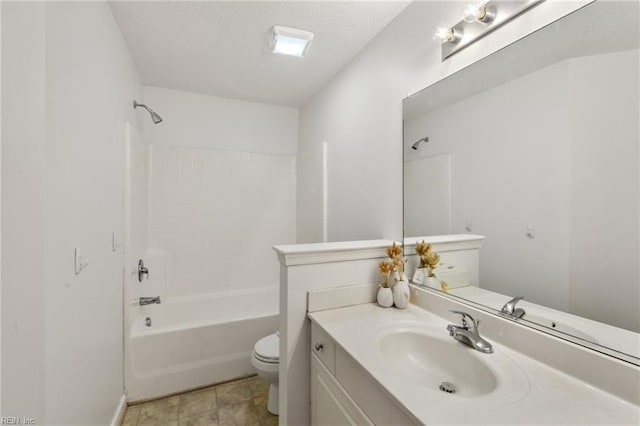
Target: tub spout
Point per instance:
(149, 300)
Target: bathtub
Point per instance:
(196, 341)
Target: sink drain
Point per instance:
(447, 387)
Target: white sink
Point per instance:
(436, 362)
(431, 361)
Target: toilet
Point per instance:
(266, 361)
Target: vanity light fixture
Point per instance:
(291, 41)
(478, 20)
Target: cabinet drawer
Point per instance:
(323, 347)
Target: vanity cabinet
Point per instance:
(342, 393)
(330, 403)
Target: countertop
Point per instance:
(546, 397)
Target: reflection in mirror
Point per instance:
(536, 148)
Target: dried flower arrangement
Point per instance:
(384, 267)
(395, 254)
(394, 250)
(428, 258)
(394, 264)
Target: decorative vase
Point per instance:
(394, 277)
(433, 282)
(385, 297)
(420, 276)
(401, 294)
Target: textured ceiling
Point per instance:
(222, 47)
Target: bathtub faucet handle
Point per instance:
(142, 270)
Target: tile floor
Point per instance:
(242, 402)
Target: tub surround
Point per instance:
(546, 395)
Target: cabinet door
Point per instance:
(330, 405)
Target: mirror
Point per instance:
(535, 147)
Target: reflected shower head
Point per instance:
(154, 117)
(418, 142)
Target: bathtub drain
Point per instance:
(147, 321)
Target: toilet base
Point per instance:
(272, 402)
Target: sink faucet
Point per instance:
(509, 308)
(149, 300)
(468, 333)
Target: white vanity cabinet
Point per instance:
(342, 393)
(330, 403)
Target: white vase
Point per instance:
(420, 275)
(433, 282)
(401, 294)
(394, 277)
(385, 297)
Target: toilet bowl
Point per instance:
(266, 360)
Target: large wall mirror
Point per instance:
(535, 148)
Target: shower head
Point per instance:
(154, 117)
(416, 145)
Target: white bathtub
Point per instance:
(196, 342)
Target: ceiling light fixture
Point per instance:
(291, 41)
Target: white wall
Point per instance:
(359, 114)
(75, 93)
(23, 154)
(605, 283)
(202, 121)
(91, 81)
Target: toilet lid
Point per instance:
(268, 348)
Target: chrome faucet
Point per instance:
(509, 309)
(468, 333)
(149, 300)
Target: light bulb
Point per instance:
(447, 35)
(479, 12)
(469, 12)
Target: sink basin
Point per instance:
(559, 326)
(432, 361)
